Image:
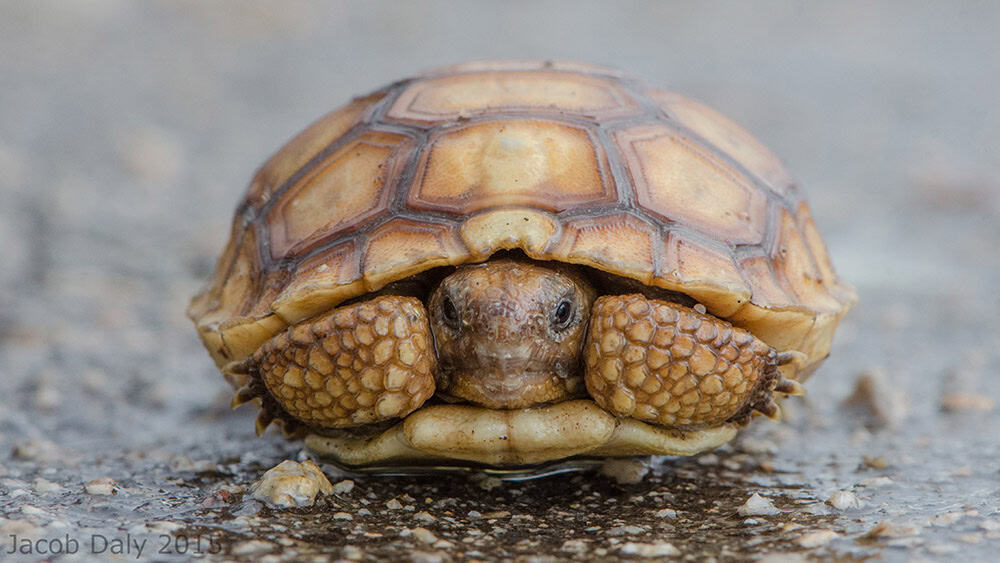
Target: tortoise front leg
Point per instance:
(361, 363)
(668, 364)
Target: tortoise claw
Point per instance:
(264, 419)
(243, 395)
(770, 409)
(790, 357)
(790, 387)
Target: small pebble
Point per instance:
(248, 507)
(32, 510)
(876, 482)
(353, 553)
(393, 504)
(890, 530)
(625, 471)
(964, 402)
(875, 462)
(657, 549)
(425, 557)
(757, 505)
(252, 547)
(45, 486)
(291, 483)
(844, 500)
(946, 519)
(816, 539)
(626, 531)
(184, 463)
(342, 516)
(575, 546)
(666, 513)
(423, 535)
(490, 483)
(815, 508)
(423, 516)
(884, 403)
(343, 487)
(102, 486)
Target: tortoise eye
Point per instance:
(449, 313)
(562, 315)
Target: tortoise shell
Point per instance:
(562, 161)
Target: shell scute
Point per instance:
(729, 138)
(681, 182)
(343, 190)
(532, 163)
(466, 95)
(306, 146)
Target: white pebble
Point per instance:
(393, 504)
(946, 519)
(666, 513)
(625, 471)
(757, 505)
(844, 500)
(343, 487)
(342, 516)
(252, 547)
(872, 482)
(291, 484)
(816, 539)
(424, 516)
(490, 483)
(353, 553)
(102, 486)
(657, 549)
(45, 486)
(626, 531)
(31, 510)
(575, 546)
(423, 535)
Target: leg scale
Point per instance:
(667, 364)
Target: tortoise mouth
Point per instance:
(509, 385)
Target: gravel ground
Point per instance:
(129, 130)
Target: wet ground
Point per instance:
(127, 133)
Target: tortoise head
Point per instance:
(509, 333)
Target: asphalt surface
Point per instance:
(128, 132)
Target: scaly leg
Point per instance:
(668, 364)
(361, 363)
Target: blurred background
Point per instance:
(129, 130)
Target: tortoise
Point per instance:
(502, 264)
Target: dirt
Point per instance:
(128, 132)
